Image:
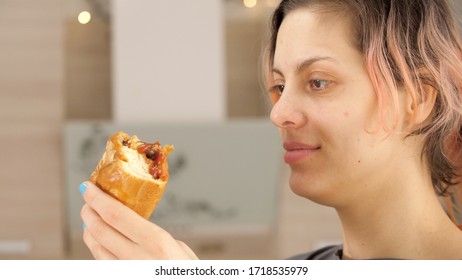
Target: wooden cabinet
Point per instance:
(31, 109)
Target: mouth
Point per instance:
(297, 151)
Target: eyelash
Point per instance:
(275, 92)
(314, 84)
(325, 82)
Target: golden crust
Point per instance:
(112, 175)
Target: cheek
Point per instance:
(352, 141)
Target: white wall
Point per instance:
(168, 60)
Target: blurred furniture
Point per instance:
(31, 110)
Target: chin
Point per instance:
(312, 189)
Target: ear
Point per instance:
(419, 111)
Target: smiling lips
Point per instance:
(296, 151)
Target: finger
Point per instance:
(105, 235)
(98, 251)
(119, 216)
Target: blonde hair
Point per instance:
(406, 45)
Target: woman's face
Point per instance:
(327, 112)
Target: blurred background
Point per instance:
(184, 72)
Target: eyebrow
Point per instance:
(306, 63)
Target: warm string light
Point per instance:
(84, 17)
(250, 3)
(268, 3)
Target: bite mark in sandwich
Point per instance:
(133, 171)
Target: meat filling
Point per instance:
(156, 157)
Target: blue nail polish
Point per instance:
(82, 188)
(84, 226)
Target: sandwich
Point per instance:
(134, 172)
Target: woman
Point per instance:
(367, 96)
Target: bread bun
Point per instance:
(134, 172)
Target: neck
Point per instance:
(407, 222)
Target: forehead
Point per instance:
(306, 32)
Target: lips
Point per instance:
(297, 151)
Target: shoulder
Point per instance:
(332, 252)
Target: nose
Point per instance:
(288, 112)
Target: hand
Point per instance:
(114, 231)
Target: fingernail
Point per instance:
(82, 188)
(84, 226)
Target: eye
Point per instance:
(318, 84)
(275, 92)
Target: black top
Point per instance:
(332, 252)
